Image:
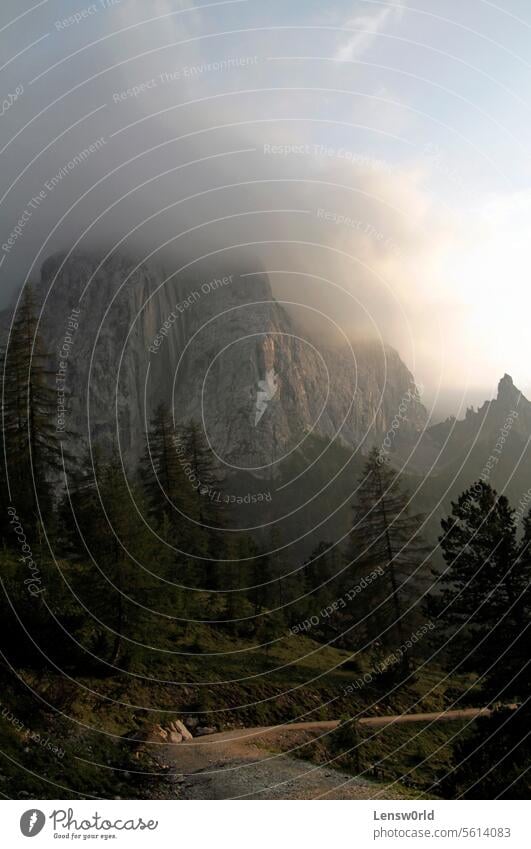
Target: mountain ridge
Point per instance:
(204, 342)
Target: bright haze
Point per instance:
(372, 156)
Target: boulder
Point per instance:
(181, 728)
(174, 737)
(175, 732)
(204, 729)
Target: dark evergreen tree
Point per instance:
(172, 504)
(167, 487)
(493, 761)
(515, 667)
(386, 536)
(114, 577)
(80, 511)
(238, 576)
(485, 605)
(322, 585)
(201, 466)
(263, 593)
(484, 588)
(202, 471)
(31, 447)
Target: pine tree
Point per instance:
(202, 470)
(31, 446)
(263, 593)
(322, 584)
(482, 606)
(201, 466)
(105, 536)
(80, 506)
(173, 511)
(168, 490)
(237, 578)
(517, 667)
(493, 761)
(386, 536)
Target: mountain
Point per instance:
(491, 443)
(219, 348)
(483, 427)
(289, 416)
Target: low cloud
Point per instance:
(207, 152)
(367, 27)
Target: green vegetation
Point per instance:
(126, 604)
(417, 756)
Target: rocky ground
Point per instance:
(268, 762)
(243, 764)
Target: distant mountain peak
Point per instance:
(508, 392)
(506, 383)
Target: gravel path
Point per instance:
(256, 763)
(240, 764)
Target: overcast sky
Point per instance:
(375, 154)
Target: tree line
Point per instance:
(130, 560)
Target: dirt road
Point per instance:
(256, 763)
(240, 764)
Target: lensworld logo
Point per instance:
(32, 822)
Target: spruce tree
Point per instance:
(322, 585)
(493, 761)
(481, 606)
(201, 466)
(386, 536)
(32, 450)
(112, 549)
(202, 470)
(173, 509)
(168, 490)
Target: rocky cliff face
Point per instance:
(218, 349)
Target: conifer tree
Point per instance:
(237, 578)
(321, 584)
(485, 586)
(386, 536)
(201, 468)
(493, 761)
(31, 448)
(201, 465)
(105, 536)
(173, 510)
(168, 490)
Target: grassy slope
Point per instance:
(278, 687)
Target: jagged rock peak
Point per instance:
(507, 391)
